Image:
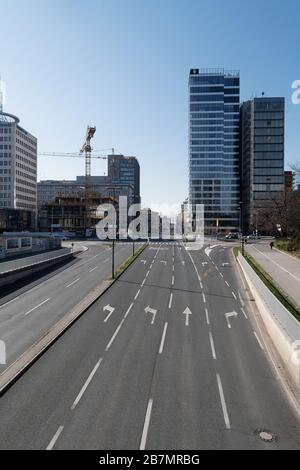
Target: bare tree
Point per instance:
(281, 211)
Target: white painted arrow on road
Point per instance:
(230, 315)
(225, 264)
(183, 263)
(143, 261)
(164, 262)
(109, 309)
(205, 263)
(187, 313)
(152, 311)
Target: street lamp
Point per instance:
(114, 226)
(242, 226)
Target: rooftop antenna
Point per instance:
(263, 93)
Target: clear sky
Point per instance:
(123, 66)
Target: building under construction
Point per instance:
(70, 213)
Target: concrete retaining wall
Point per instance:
(282, 327)
(38, 265)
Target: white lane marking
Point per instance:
(128, 310)
(173, 280)
(227, 284)
(201, 285)
(148, 273)
(72, 283)
(171, 300)
(114, 335)
(106, 260)
(195, 267)
(173, 268)
(137, 294)
(244, 313)
(37, 306)
(94, 269)
(54, 438)
(143, 282)
(234, 295)
(223, 402)
(9, 302)
(207, 317)
(204, 298)
(161, 348)
(241, 299)
(221, 275)
(86, 384)
(258, 340)
(212, 345)
(146, 425)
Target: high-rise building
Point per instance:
(214, 97)
(262, 158)
(124, 171)
(18, 175)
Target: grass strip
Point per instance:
(128, 262)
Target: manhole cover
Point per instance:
(265, 435)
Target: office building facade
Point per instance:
(18, 174)
(262, 159)
(214, 100)
(125, 171)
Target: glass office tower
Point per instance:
(262, 159)
(214, 97)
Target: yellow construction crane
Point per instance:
(86, 150)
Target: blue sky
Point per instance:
(123, 65)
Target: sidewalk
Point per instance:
(284, 269)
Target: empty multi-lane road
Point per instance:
(29, 311)
(168, 358)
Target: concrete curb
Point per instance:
(34, 352)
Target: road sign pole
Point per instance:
(113, 260)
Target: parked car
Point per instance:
(232, 236)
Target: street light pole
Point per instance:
(242, 227)
(113, 260)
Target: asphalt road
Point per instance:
(30, 310)
(283, 268)
(178, 375)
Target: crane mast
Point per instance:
(87, 149)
